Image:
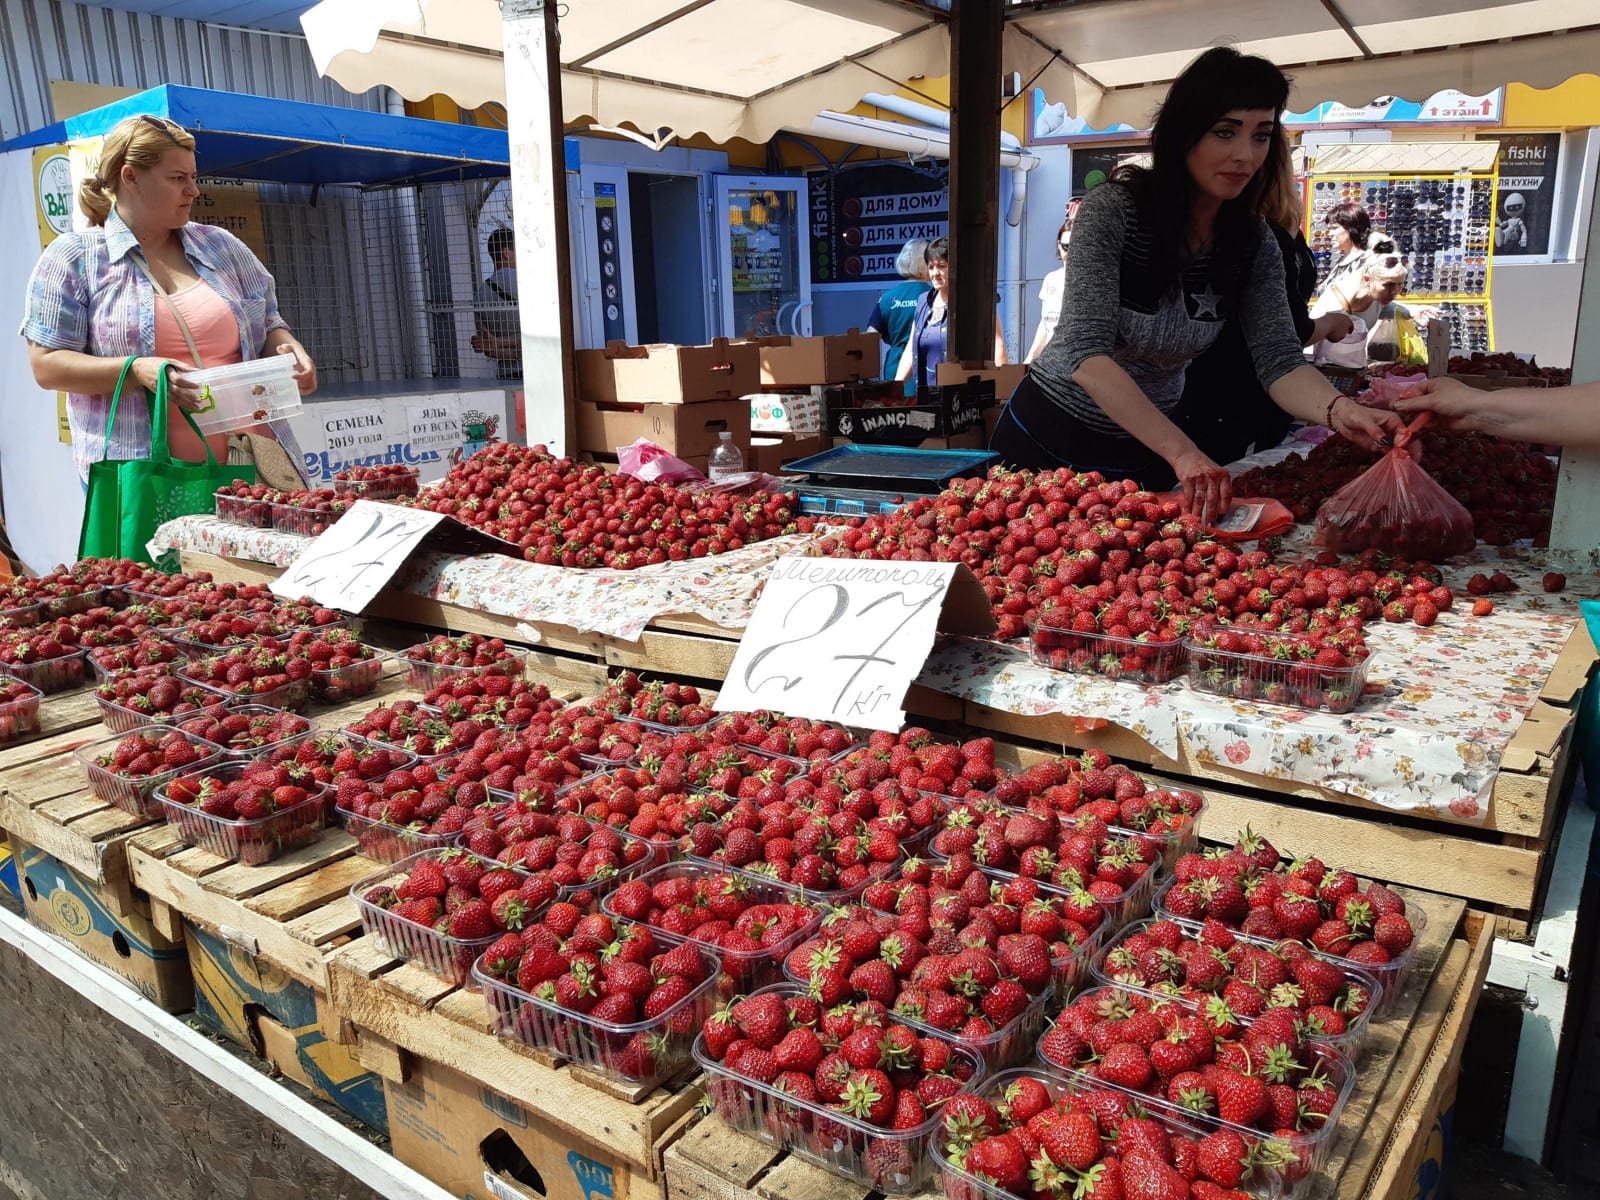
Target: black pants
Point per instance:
(1225, 410)
(1036, 434)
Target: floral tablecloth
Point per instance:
(1449, 699)
(615, 603)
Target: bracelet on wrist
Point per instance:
(1328, 418)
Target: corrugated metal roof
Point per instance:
(44, 40)
(258, 14)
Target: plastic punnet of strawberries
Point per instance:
(659, 703)
(1029, 1134)
(848, 1083)
(950, 895)
(493, 696)
(1091, 784)
(985, 988)
(1251, 889)
(19, 709)
(405, 723)
(750, 925)
(918, 760)
(153, 694)
(342, 666)
(785, 737)
(1208, 962)
(260, 670)
(632, 798)
(330, 757)
(148, 651)
(447, 906)
(251, 812)
(577, 854)
(609, 994)
(246, 729)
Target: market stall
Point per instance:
(374, 229)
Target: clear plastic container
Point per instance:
(669, 730)
(1348, 1043)
(1264, 680)
(825, 897)
(121, 719)
(102, 673)
(240, 753)
(245, 394)
(1392, 974)
(1131, 903)
(51, 607)
(450, 958)
(640, 1052)
(742, 971)
(291, 518)
(21, 616)
(338, 685)
(1307, 1152)
(959, 1184)
(896, 1162)
(401, 483)
(291, 697)
(1054, 644)
(423, 676)
(249, 842)
(137, 797)
(19, 718)
(242, 510)
(390, 843)
(51, 675)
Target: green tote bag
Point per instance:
(128, 499)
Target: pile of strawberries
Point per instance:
(153, 694)
(1509, 489)
(607, 993)
(491, 696)
(85, 575)
(1029, 1135)
(785, 737)
(969, 980)
(1258, 1075)
(570, 514)
(1304, 900)
(749, 925)
(247, 728)
(834, 1075)
(1214, 966)
(1503, 363)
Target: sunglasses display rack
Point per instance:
(1442, 224)
(1471, 325)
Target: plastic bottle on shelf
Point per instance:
(726, 461)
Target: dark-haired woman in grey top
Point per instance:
(1161, 258)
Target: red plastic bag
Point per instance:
(1397, 507)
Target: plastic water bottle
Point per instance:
(726, 461)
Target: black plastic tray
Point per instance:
(893, 468)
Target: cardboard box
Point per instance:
(1005, 378)
(687, 430)
(477, 1144)
(252, 1002)
(937, 413)
(786, 412)
(768, 452)
(62, 902)
(723, 370)
(833, 358)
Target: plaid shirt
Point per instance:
(86, 294)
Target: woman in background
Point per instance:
(1365, 299)
(1350, 228)
(893, 313)
(1050, 293)
(929, 341)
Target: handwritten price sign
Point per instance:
(349, 564)
(840, 640)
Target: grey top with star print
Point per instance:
(1114, 305)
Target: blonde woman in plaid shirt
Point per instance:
(134, 283)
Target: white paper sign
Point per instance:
(354, 433)
(838, 640)
(435, 425)
(349, 564)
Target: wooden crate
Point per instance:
(713, 1162)
(399, 1010)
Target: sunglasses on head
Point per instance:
(164, 125)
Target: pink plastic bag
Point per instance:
(1397, 507)
(649, 462)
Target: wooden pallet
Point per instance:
(714, 1162)
(399, 1009)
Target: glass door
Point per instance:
(764, 274)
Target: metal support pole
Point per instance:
(1576, 525)
(539, 194)
(977, 28)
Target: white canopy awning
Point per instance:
(747, 68)
(725, 68)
